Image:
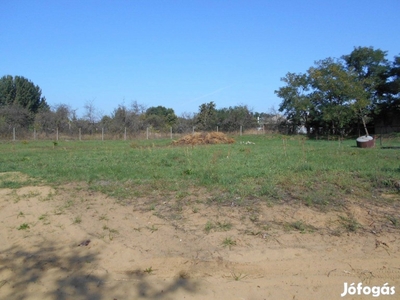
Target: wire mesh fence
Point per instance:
(384, 137)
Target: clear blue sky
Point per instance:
(181, 54)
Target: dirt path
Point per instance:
(73, 244)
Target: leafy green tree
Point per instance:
(338, 95)
(297, 102)
(335, 93)
(206, 118)
(161, 117)
(371, 67)
(388, 108)
(230, 119)
(22, 92)
(372, 70)
(120, 118)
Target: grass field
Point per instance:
(256, 168)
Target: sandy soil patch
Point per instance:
(70, 243)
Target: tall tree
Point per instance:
(388, 109)
(161, 117)
(21, 92)
(337, 95)
(205, 119)
(297, 105)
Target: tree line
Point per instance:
(23, 106)
(337, 96)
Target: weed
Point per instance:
(47, 198)
(237, 277)
(43, 218)
(69, 204)
(395, 221)
(188, 171)
(23, 226)
(253, 218)
(148, 270)
(350, 223)
(77, 220)
(152, 228)
(299, 226)
(224, 226)
(111, 232)
(209, 226)
(103, 218)
(228, 242)
(21, 214)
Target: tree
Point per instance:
(297, 103)
(21, 92)
(372, 71)
(230, 119)
(388, 108)
(205, 119)
(335, 93)
(14, 116)
(185, 123)
(338, 95)
(59, 117)
(161, 117)
(371, 67)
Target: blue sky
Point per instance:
(181, 54)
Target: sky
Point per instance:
(180, 54)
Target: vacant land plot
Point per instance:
(268, 217)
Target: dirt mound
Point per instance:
(202, 138)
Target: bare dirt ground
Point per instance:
(70, 243)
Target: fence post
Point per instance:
(217, 128)
(193, 129)
(14, 134)
(125, 134)
(241, 129)
(171, 132)
(102, 133)
(34, 133)
(147, 133)
(57, 134)
(80, 134)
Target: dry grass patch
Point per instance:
(203, 138)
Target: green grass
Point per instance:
(317, 173)
(229, 242)
(23, 226)
(350, 223)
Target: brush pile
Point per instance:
(204, 138)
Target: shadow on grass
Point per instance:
(50, 272)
